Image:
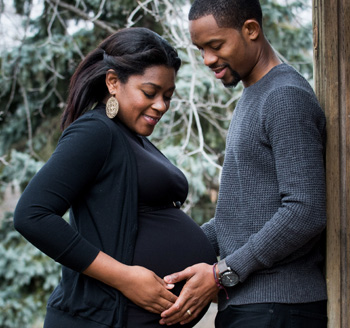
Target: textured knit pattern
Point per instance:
(271, 207)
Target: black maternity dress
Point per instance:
(168, 240)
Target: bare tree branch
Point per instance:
(29, 122)
(83, 15)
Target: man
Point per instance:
(271, 207)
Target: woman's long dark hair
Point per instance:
(128, 52)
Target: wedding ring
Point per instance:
(189, 312)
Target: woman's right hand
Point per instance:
(147, 290)
(138, 284)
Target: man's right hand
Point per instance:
(199, 290)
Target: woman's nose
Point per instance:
(160, 105)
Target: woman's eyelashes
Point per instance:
(148, 94)
(152, 95)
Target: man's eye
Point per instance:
(216, 47)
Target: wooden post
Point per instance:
(332, 84)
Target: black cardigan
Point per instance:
(92, 172)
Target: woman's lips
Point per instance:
(151, 120)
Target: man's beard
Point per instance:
(236, 78)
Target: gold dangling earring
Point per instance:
(112, 107)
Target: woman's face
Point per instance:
(145, 98)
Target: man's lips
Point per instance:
(151, 120)
(219, 71)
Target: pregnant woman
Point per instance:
(126, 231)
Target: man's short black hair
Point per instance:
(227, 13)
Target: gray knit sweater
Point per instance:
(271, 206)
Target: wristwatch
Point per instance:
(227, 277)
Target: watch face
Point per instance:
(229, 279)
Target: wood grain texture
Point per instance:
(332, 84)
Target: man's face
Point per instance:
(224, 50)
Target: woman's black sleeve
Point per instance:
(77, 160)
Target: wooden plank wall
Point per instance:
(331, 26)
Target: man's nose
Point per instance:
(209, 58)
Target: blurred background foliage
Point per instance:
(42, 42)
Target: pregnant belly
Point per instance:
(168, 241)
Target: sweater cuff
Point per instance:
(243, 262)
(79, 256)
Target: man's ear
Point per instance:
(251, 28)
(112, 81)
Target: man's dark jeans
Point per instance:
(274, 315)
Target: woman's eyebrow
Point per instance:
(157, 86)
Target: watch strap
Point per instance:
(222, 266)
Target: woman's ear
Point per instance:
(252, 29)
(112, 81)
